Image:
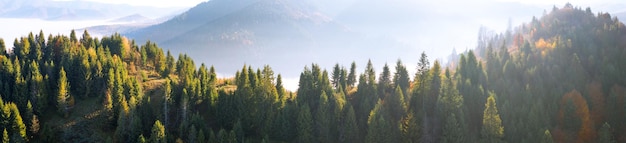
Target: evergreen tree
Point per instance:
(336, 76)
(222, 136)
(322, 119)
(192, 136)
(492, 130)
(3, 49)
(158, 133)
(348, 129)
(239, 132)
(384, 83)
(352, 75)
(409, 128)
(547, 137)
(73, 38)
(232, 137)
(401, 78)
(379, 130)
(605, 135)
(17, 124)
(305, 125)
(452, 132)
(396, 105)
(63, 93)
(212, 137)
(201, 137)
(5, 136)
(141, 139)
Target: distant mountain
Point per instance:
(284, 33)
(75, 10)
(132, 18)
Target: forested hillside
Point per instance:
(559, 78)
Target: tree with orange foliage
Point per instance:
(574, 121)
(598, 103)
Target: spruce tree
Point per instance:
(605, 135)
(352, 75)
(547, 137)
(158, 133)
(492, 130)
(348, 129)
(63, 93)
(5, 136)
(305, 125)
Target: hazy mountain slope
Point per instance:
(287, 34)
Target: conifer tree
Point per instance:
(141, 139)
(63, 93)
(212, 137)
(379, 129)
(401, 78)
(5, 136)
(322, 120)
(201, 137)
(305, 125)
(605, 135)
(547, 137)
(3, 49)
(352, 75)
(492, 130)
(396, 105)
(17, 125)
(158, 133)
(348, 129)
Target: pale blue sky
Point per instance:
(190, 3)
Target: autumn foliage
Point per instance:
(598, 106)
(584, 131)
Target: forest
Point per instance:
(559, 78)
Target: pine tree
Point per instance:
(212, 137)
(492, 130)
(401, 78)
(348, 129)
(222, 136)
(73, 38)
(158, 133)
(18, 126)
(547, 137)
(34, 126)
(201, 137)
(141, 139)
(379, 129)
(5, 136)
(238, 130)
(396, 105)
(384, 83)
(409, 128)
(192, 136)
(336, 76)
(322, 119)
(452, 132)
(63, 93)
(305, 125)
(605, 134)
(3, 49)
(352, 75)
(232, 137)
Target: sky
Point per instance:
(155, 3)
(190, 3)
